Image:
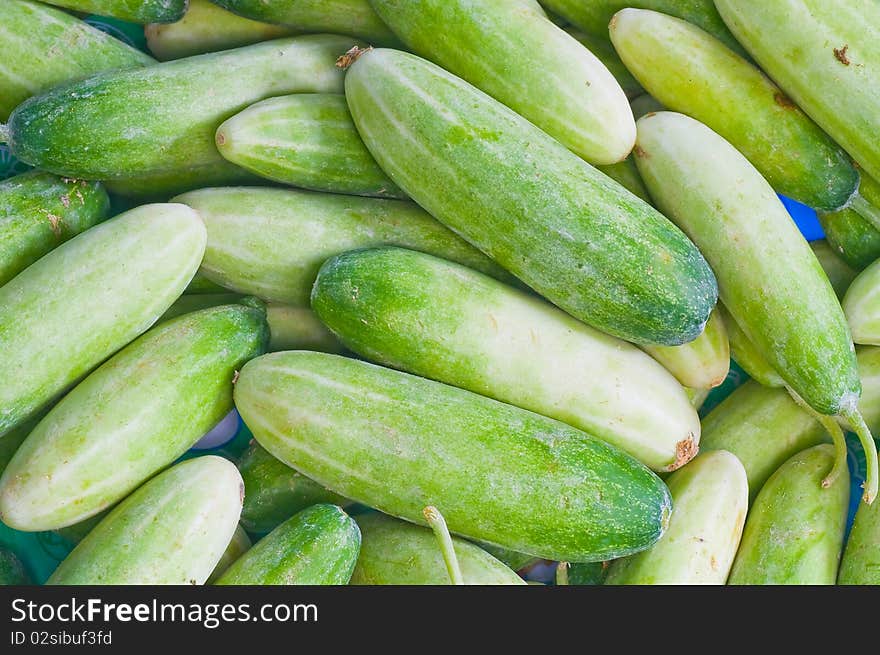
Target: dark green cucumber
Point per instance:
(853, 236)
(12, 570)
(581, 575)
(133, 11)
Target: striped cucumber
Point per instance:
(132, 417)
(604, 51)
(839, 272)
(561, 87)
(440, 320)
(12, 571)
(568, 231)
(69, 311)
(133, 11)
(238, 546)
(39, 211)
(271, 242)
(860, 564)
(862, 306)
(172, 530)
(399, 443)
(747, 355)
(317, 546)
(305, 140)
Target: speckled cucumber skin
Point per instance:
(398, 553)
(41, 47)
(130, 418)
(11, 570)
(238, 546)
(839, 272)
(39, 211)
(795, 529)
(317, 546)
(589, 246)
(66, 313)
(498, 474)
(440, 320)
(271, 242)
(134, 11)
(862, 306)
(172, 530)
(690, 71)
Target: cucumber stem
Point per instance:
(837, 437)
(562, 574)
(857, 422)
(865, 209)
(4, 133)
(438, 525)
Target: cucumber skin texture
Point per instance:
(795, 529)
(442, 321)
(101, 289)
(747, 356)
(11, 570)
(854, 238)
(711, 498)
(561, 87)
(132, 417)
(238, 546)
(839, 272)
(398, 553)
(473, 458)
(861, 306)
(133, 11)
(585, 247)
(860, 564)
(39, 211)
(317, 546)
(161, 119)
(767, 271)
(691, 72)
(159, 187)
(247, 224)
(43, 47)
(305, 140)
(172, 530)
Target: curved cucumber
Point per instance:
(862, 306)
(744, 353)
(305, 140)
(12, 570)
(318, 546)
(839, 272)
(562, 227)
(443, 321)
(66, 313)
(860, 564)
(132, 417)
(399, 443)
(39, 211)
(134, 11)
(238, 546)
(794, 532)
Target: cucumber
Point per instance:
(746, 354)
(711, 498)
(305, 140)
(627, 175)
(11, 441)
(860, 564)
(197, 302)
(39, 211)
(604, 51)
(274, 492)
(840, 274)
(161, 186)
(12, 571)
(75, 533)
(795, 529)
(397, 553)
(440, 320)
(42, 47)
(237, 547)
(582, 575)
(853, 237)
(862, 306)
(399, 443)
(692, 72)
(271, 242)
(172, 530)
(159, 122)
(69, 311)
(568, 231)
(132, 417)
(561, 87)
(317, 546)
(133, 11)
(200, 285)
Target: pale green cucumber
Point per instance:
(12, 570)
(238, 546)
(566, 230)
(172, 530)
(862, 306)
(690, 71)
(854, 237)
(604, 51)
(860, 564)
(70, 310)
(271, 242)
(397, 553)
(795, 529)
(839, 272)
(744, 353)
(134, 11)
(305, 140)
(627, 175)
(561, 87)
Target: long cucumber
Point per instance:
(135, 11)
(854, 238)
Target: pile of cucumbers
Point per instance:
(467, 270)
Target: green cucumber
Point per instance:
(604, 51)
(42, 47)
(854, 237)
(861, 305)
(172, 530)
(11, 441)
(795, 529)
(746, 354)
(697, 396)
(197, 302)
(75, 533)
(627, 175)
(860, 564)
(271, 242)
(159, 187)
(692, 72)
(440, 320)
(397, 553)
(132, 417)
(76, 306)
(39, 211)
(561, 87)
(317, 546)
(12, 570)
(568, 231)
(399, 443)
(133, 11)
(590, 574)
(711, 498)
(238, 546)
(839, 272)
(200, 285)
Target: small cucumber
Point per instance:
(133, 11)
(76, 306)
(746, 354)
(862, 306)
(840, 274)
(238, 546)
(854, 238)
(562, 227)
(795, 529)
(172, 530)
(12, 570)
(317, 546)
(861, 559)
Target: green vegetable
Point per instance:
(510, 558)
(861, 559)
(746, 354)
(134, 11)
(237, 547)
(11, 570)
(862, 306)
(645, 104)
(627, 175)
(581, 575)
(840, 274)
(854, 238)
(604, 51)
